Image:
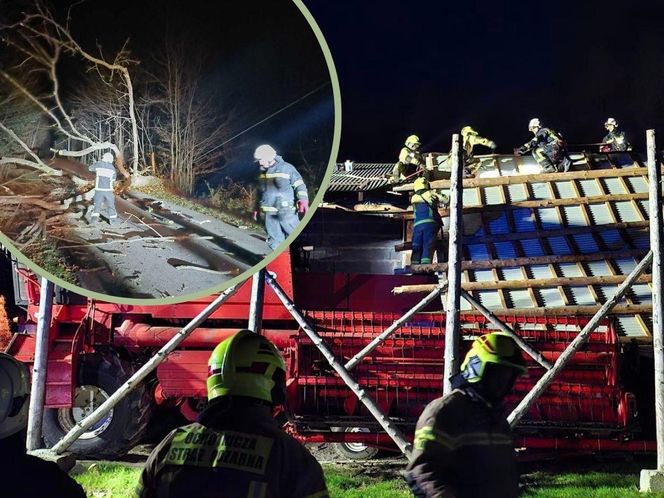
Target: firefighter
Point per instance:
(278, 185)
(463, 444)
(236, 449)
(410, 160)
(615, 140)
(104, 177)
(548, 148)
(26, 476)
(470, 139)
(426, 221)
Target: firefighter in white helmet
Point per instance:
(105, 175)
(463, 444)
(410, 160)
(615, 140)
(548, 148)
(282, 194)
(236, 449)
(26, 476)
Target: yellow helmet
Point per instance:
(467, 130)
(497, 348)
(420, 183)
(412, 140)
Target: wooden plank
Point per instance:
(539, 177)
(537, 260)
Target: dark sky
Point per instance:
(430, 67)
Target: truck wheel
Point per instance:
(354, 451)
(118, 430)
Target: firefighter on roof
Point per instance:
(463, 444)
(470, 139)
(236, 449)
(279, 183)
(410, 160)
(615, 140)
(25, 476)
(104, 178)
(548, 148)
(426, 221)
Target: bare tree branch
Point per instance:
(37, 163)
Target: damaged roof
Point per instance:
(360, 177)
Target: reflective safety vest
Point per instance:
(104, 176)
(279, 186)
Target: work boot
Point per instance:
(114, 222)
(94, 220)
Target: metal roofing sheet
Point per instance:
(362, 177)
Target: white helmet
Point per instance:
(611, 121)
(107, 157)
(14, 394)
(534, 123)
(266, 152)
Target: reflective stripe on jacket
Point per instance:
(279, 187)
(104, 176)
(617, 141)
(423, 201)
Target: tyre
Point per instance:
(115, 434)
(354, 451)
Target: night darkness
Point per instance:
(431, 67)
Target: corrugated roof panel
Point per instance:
(614, 186)
(493, 195)
(645, 207)
(517, 192)
(470, 197)
(550, 297)
(490, 299)
(507, 166)
(613, 240)
(630, 326)
(478, 252)
(626, 211)
(597, 268)
(483, 276)
(585, 242)
(505, 250)
(540, 191)
(499, 224)
(569, 270)
(640, 238)
(559, 245)
(565, 190)
(589, 188)
(541, 271)
(364, 176)
(600, 214)
(512, 273)
(625, 265)
(519, 298)
(532, 247)
(641, 293)
(638, 183)
(549, 218)
(581, 295)
(574, 216)
(523, 220)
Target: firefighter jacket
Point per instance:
(278, 186)
(409, 161)
(616, 141)
(470, 141)
(463, 449)
(547, 139)
(104, 176)
(425, 207)
(236, 452)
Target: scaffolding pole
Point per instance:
(392, 328)
(141, 373)
(452, 325)
(367, 400)
(530, 351)
(257, 302)
(574, 346)
(38, 389)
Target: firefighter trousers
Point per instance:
(424, 243)
(104, 197)
(279, 226)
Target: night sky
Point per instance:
(430, 68)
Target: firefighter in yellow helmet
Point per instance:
(410, 160)
(463, 444)
(236, 449)
(426, 221)
(470, 139)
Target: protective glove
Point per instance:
(255, 215)
(520, 151)
(302, 206)
(493, 145)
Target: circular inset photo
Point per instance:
(161, 150)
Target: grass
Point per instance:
(108, 480)
(46, 256)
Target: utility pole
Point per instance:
(452, 309)
(653, 480)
